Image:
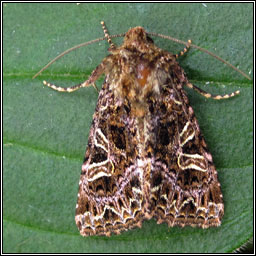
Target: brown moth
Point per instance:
(146, 156)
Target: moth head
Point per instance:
(135, 37)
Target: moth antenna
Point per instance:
(67, 51)
(209, 95)
(201, 49)
(150, 34)
(105, 30)
(185, 49)
(74, 48)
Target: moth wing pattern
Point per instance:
(184, 184)
(146, 156)
(110, 197)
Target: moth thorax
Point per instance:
(143, 73)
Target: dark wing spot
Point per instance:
(163, 136)
(99, 155)
(118, 136)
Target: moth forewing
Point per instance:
(146, 156)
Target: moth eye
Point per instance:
(149, 39)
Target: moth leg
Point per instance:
(95, 87)
(112, 45)
(90, 81)
(208, 95)
(185, 49)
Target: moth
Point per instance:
(146, 157)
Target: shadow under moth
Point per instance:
(146, 156)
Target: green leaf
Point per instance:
(45, 132)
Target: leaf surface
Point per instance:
(45, 132)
